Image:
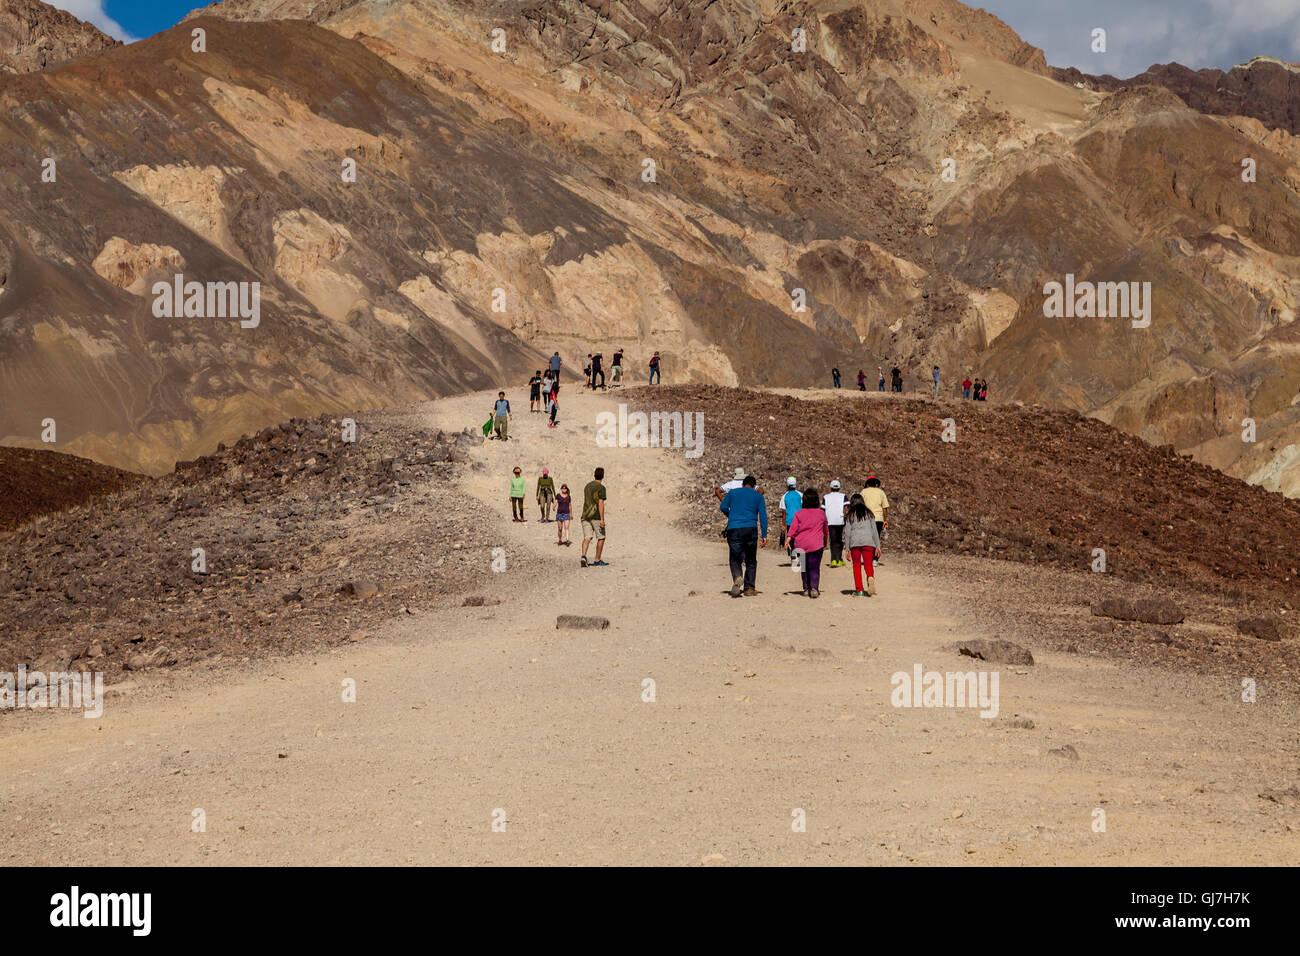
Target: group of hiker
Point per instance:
(978, 389)
(811, 522)
(595, 369)
(544, 390)
(592, 516)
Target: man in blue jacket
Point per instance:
(746, 512)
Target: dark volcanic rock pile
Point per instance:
(306, 539)
(35, 482)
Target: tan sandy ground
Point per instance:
(461, 711)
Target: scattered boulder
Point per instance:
(361, 589)
(160, 656)
(581, 622)
(1159, 610)
(1017, 723)
(1266, 628)
(992, 652)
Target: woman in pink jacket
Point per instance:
(808, 534)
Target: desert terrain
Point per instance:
(762, 707)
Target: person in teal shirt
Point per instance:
(791, 502)
(518, 486)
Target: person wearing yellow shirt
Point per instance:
(878, 504)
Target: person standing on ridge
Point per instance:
(862, 381)
(586, 370)
(834, 504)
(791, 502)
(935, 375)
(965, 387)
(835, 377)
(808, 538)
(746, 512)
(593, 518)
(501, 416)
(555, 363)
(896, 383)
(878, 504)
(617, 365)
(545, 495)
(597, 368)
(880, 379)
(655, 377)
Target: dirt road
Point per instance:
(763, 707)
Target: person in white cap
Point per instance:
(834, 504)
(791, 502)
(737, 479)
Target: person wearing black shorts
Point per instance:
(535, 392)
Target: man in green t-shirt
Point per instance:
(593, 518)
(545, 494)
(518, 485)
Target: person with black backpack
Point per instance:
(654, 370)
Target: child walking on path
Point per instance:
(518, 485)
(563, 513)
(808, 534)
(862, 540)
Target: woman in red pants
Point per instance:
(862, 540)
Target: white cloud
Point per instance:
(92, 11)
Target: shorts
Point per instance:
(562, 517)
(535, 394)
(592, 529)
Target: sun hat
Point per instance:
(835, 484)
(739, 474)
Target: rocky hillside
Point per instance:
(1265, 89)
(35, 36)
(306, 541)
(34, 482)
(759, 190)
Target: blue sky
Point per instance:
(1196, 33)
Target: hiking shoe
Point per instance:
(871, 586)
(814, 593)
(599, 564)
(584, 560)
(737, 586)
(750, 592)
